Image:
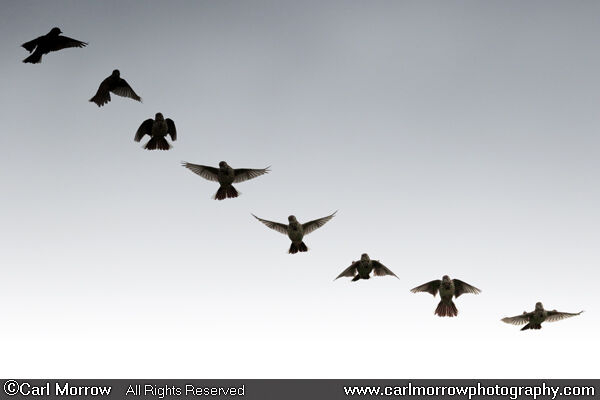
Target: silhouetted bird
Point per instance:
(225, 175)
(447, 288)
(114, 83)
(362, 268)
(52, 41)
(295, 230)
(535, 318)
(157, 129)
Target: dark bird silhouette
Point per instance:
(52, 41)
(362, 268)
(226, 176)
(447, 288)
(115, 84)
(535, 318)
(295, 230)
(157, 129)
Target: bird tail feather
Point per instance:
(295, 248)
(446, 309)
(34, 58)
(157, 143)
(226, 192)
(531, 326)
(100, 98)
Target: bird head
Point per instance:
(55, 31)
(292, 218)
(116, 73)
(364, 257)
(445, 278)
(539, 306)
(159, 117)
(223, 164)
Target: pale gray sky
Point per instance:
(455, 137)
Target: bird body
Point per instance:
(295, 230)
(52, 41)
(362, 269)
(448, 288)
(226, 176)
(114, 84)
(534, 319)
(446, 307)
(157, 128)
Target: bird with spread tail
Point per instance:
(295, 230)
(157, 128)
(448, 288)
(362, 269)
(115, 84)
(535, 318)
(226, 176)
(52, 41)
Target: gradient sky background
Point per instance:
(454, 137)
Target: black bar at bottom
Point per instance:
(292, 389)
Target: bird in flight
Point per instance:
(157, 129)
(295, 230)
(115, 84)
(535, 318)
(52, 41)
(362, 269)
(448, 288)
(226, 176)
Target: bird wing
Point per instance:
(123, 89)
(557, 315)
(64, 42)
(31, 45)
(144, 129)
(461, 287)
(429, 287)
(209, 173)
(350, 271)
(281, 228)
(244, 174)
(171, 128)
(519, 319)
(102, 96)
(381, 270)
(310, 226)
